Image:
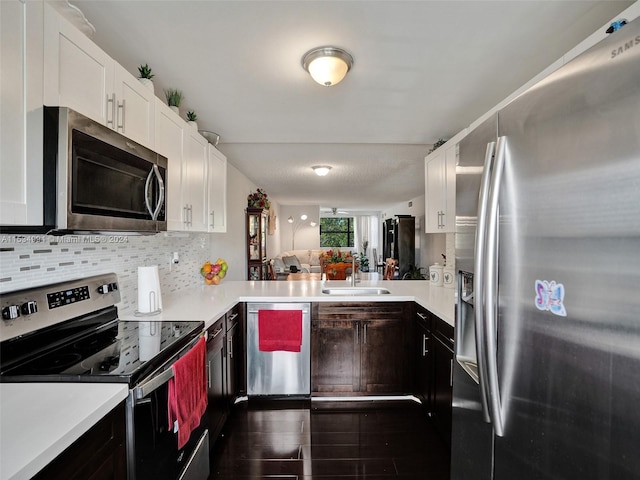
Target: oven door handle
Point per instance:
(146, 388)
(154, 382)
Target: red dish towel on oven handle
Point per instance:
(188, 392)
(279, 330)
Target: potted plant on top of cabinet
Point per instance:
(146, 76)
(174, 99)
(191, 119)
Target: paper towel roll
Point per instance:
(149, 296)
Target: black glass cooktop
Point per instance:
(109, 351)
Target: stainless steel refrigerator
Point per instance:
(547, 378)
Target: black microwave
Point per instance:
(98, 180)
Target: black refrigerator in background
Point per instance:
(399, 235)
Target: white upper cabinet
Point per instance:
(134, 108)
(440, 187)
(217, 190)
(21, 80)
(187, 185)
(169, 142)
(80, 75)
(194, 180)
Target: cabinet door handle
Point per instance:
(217, 332)
(422, 315)
(425, 350)
(451, 373)
(213, 219)
(233, 316)
(364, 334)
(209, 374)
(230, 344)
(357, 333)
(121, 107)
(111, 100)
(443, 222)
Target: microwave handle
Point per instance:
(161, 195)
(154, 213)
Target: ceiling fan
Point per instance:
(334, 211)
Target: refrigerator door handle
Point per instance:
(478, 287)
(491, 288)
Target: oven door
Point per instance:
(152, 447)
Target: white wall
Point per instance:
(306, 236)
(232, 244)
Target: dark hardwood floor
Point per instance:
(325, 440)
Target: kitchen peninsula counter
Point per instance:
(207, 303)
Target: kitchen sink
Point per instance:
(355, 291)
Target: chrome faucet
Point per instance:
(353, 270)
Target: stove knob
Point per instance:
(29, 308)
(106, 288)
(10, 312)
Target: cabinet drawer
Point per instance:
(424, 318)
(444, 332)
(358, 310)
(233, 316)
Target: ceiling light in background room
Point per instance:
(321, 170)
(327, 65)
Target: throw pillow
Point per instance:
(278, 265)
(291, 261)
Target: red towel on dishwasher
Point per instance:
(188, 392)
(279, 330)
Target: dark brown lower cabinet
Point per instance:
(234, 353)
(224, 362)
(424, 357)
(442, 397)
(217, 407)
(360, 348)
(99, 454)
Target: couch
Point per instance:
(307, 261)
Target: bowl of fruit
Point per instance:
(213, 273)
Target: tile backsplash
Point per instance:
(32, 260)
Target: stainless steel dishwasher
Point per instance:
(278, 373)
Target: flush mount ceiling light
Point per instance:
(327, 65)
(321, 170)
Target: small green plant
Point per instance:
(364, 262)
(414, 273)
(174, 97)
(437, 145)
(191, 116)
(145, 71)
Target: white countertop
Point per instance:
(207, 303)
(38, 421)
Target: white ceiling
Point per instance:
(423, 70)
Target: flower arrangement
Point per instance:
(258, 199)
(335, 256)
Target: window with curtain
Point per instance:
(336, 232)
